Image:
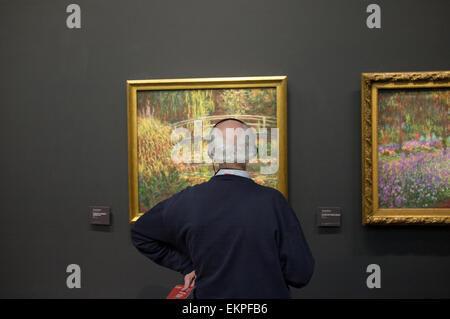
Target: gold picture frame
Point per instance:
(371, 84)
(279, 83)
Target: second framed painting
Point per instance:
(405, 148)
(169, 119)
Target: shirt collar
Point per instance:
(237, 172)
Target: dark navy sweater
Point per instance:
(243, 240)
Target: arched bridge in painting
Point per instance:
(254, 121)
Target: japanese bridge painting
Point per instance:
(158, 110)
(405, 144)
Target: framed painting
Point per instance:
(169, 119)
(405, 148)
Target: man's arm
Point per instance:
(295, 255)
(150, 236)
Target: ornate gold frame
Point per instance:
(371, 213)
(279, 82)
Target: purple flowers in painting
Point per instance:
(417, 180)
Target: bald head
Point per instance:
(230, 123)
(234, 140)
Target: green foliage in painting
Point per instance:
(158, 176)
(175, 105)
(413, 114)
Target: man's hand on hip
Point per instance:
(189, 280)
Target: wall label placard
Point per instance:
(328, 216)
(100, 215)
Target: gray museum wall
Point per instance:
(64, 132)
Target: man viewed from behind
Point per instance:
(230, 237)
